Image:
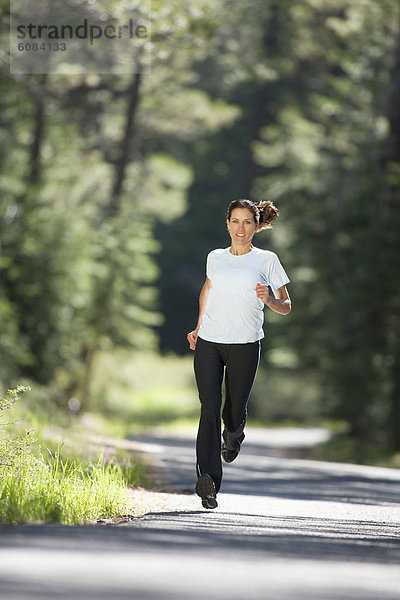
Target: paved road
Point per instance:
(285, 529)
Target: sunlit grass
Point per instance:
(39, 484)
(61, 491)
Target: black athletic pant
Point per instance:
(240, 362)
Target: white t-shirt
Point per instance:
(233, 313)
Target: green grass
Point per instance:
(50, 488)
(58, 491)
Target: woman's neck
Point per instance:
(238, 251)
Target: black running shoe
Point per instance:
(229, 455)
(205, 488)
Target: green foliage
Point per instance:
(35, 488)
(114, 189)
(318, 120)
(285, 395)
(137, 390)
(83, 184)
(12, 396)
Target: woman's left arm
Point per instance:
(281, 303)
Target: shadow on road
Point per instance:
(186, 531)
(267, 471)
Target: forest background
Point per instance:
(113, 189)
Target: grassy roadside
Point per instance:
(38, 484)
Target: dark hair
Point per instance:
(264, 212)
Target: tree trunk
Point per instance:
(126, 145)
(272, 39)
(35, 170)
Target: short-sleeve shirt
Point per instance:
(233, 313)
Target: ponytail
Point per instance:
(268, 213)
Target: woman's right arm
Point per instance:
(192, 336)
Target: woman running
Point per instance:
(227, 337)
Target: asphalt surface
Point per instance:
(286, 528)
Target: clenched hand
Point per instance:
(262, 292)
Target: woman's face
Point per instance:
(241, 226)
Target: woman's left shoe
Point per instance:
(227, 452)
(205, 488)
(229, 455)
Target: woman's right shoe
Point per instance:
(205, 488)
